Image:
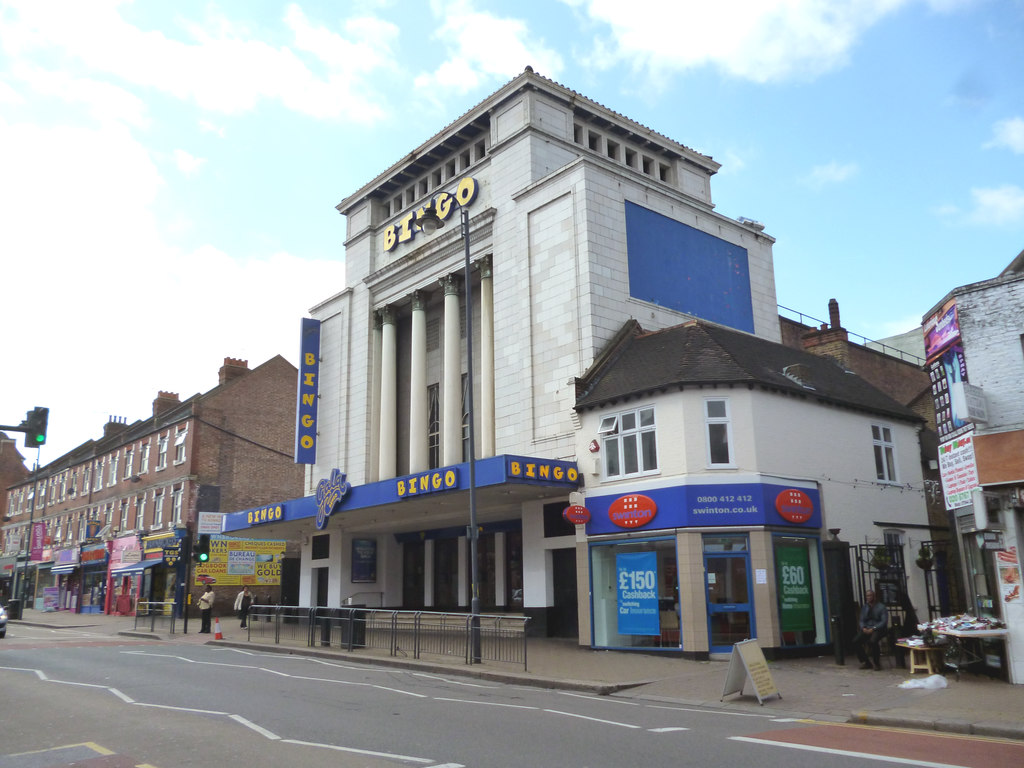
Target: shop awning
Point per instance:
(135, 567)
(64, 568)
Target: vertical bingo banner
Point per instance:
(637, 577)
(309, 387)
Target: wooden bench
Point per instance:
(924, 658)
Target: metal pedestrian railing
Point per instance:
(399, 633)
(151, 615)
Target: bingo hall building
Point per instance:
(570, 229)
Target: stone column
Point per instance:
(451, 395)
(387, 464)
(486, 410)
(418, 455)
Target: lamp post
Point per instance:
(430, 222)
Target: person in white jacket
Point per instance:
(242, 602)
(206, 609)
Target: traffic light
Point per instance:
(201, 549)
(35, 427)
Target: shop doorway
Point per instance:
(727, 580)
(564, 621)
(413, 562)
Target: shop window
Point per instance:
(629, 443)
(800, 591)
(885, 453)
(718, 432)
(635, 591)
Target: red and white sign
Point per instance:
(794, 506)
(576, 514)
(633, 511)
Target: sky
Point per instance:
(169, 171)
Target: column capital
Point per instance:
(419, 301)
(486, 266)
(386, 315)
(450, 283)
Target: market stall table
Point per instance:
(924, 658)
(960, 653)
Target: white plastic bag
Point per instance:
(932, 682)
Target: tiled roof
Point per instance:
(639, 364)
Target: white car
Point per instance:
(3, 622)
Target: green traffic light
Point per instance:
(203, 557)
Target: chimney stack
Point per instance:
(232, 369)
(833, 314)
(164, 402)
(114, 425)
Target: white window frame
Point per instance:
(883, 447)
(144, 458)
(158, 508)
(177, 496)
(112, 479)
(98, 475)
(615, 437)
(180, 436)
(161, 450)
(129, 459)
(140, 512)
(713, 424)
(124, 516)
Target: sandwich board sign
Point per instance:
(748, 661)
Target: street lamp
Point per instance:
(430, 222)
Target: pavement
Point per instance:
(810, 688)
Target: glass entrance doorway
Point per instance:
(727, 579)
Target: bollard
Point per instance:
(837, 640)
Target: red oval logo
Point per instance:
(632, 511)
(576, 514)
(794, 505)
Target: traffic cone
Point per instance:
(217, 634)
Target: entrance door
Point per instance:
(413, 560)
(729, 608)
(563, 619)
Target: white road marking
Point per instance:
(335, 747)
(251, 725)
(485, 703)
(591, 697)
(592, 719)
(666, 730)
(846, 753)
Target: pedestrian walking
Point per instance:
(242, 602)
(206, 609)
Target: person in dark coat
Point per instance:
(874, 620)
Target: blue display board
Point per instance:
(637, 580)
(677, 266)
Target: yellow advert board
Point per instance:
(748, 662)
(236, 562)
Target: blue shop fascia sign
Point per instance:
(703, 506)
(335, 494)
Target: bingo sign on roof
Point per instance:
(794, 506)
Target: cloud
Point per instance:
(1008, 134)
(483, 48)
(998, 205)
(829, 174)
(186, 163)
(757, 40)
(217, 64)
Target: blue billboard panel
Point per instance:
(677, 266)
